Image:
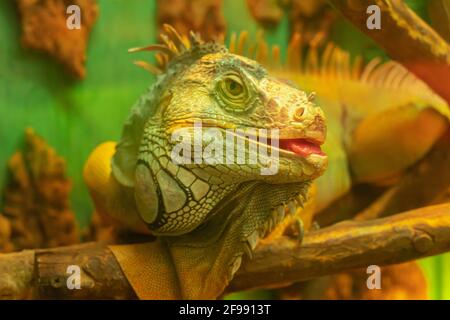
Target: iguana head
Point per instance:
(203, 83)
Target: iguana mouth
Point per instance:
(301, 147)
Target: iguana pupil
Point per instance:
(234, 87)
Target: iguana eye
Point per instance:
(233, 94)
(233, 87)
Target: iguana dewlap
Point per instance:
(206, 216)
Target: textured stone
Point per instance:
(44, 28)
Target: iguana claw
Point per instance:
(296, 230)
(298, 224)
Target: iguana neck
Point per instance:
(206, 259)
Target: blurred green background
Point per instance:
(75, 116)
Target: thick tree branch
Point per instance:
(406, 38)
(347, 245)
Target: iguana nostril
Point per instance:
(299, 113)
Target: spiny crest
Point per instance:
(259, 51)
(332, 62)
(178, 49)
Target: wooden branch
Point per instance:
(349, 245)
(406, 38)
(42, 273)
(341, 247)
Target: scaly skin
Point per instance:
(206, 217)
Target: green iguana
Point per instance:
(381, 120)
(206, 216)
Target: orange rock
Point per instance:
(266, 12)
(44, 28)
(203, 16)
(36, 197)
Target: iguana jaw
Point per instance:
(297, 143)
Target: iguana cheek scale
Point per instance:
(206, 217)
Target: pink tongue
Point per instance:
(302, 147)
